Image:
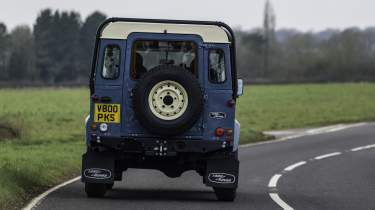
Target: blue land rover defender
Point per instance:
(163, 96)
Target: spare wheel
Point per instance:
(168, 100)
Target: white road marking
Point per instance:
(39, 199)
(315, 131)
(334, 128)
(363, 148)
(292, 167)
(274, 180)
(327, 155)
(323, 129)
(339, 128)
(275, 197)
(358, 149)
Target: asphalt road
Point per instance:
(325, 171)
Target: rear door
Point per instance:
(219, 94)
(132, 127)
(106, 105)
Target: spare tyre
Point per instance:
(168, 100)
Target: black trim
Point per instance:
(147, 145)
(220, 24)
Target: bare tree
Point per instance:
(4, 48)
(269, 25)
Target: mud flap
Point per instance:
(98, 167)
(222, 173)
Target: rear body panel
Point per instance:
(217, 113)
(109, 88)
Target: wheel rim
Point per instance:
(168, 100)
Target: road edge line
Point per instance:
(34, 202)
(310, 132)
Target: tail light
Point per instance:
(229, 137)
(231, 103)
(94, 126)
(219, 132)
(95, 98)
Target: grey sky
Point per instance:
(301, 14)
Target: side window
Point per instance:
(216, 66)
(111, 63)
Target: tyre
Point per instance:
(168, 100)
(225, 194)
(110, 186)
(95, 190)
(235, 155)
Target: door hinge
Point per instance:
(205, 97)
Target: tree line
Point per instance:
(58, 50)
(327, 56)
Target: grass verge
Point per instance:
(48, 144)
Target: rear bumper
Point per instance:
(158, 147)
(217, 170)
(107, 157)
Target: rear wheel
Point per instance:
(110, 186)
(95, 190)
(225, 194)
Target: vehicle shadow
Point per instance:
(162, 195)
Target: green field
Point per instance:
(49, 126)
(276, 107)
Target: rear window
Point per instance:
(111, 63)
(216, 69)
(147, 55)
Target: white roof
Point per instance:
(121, 30)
